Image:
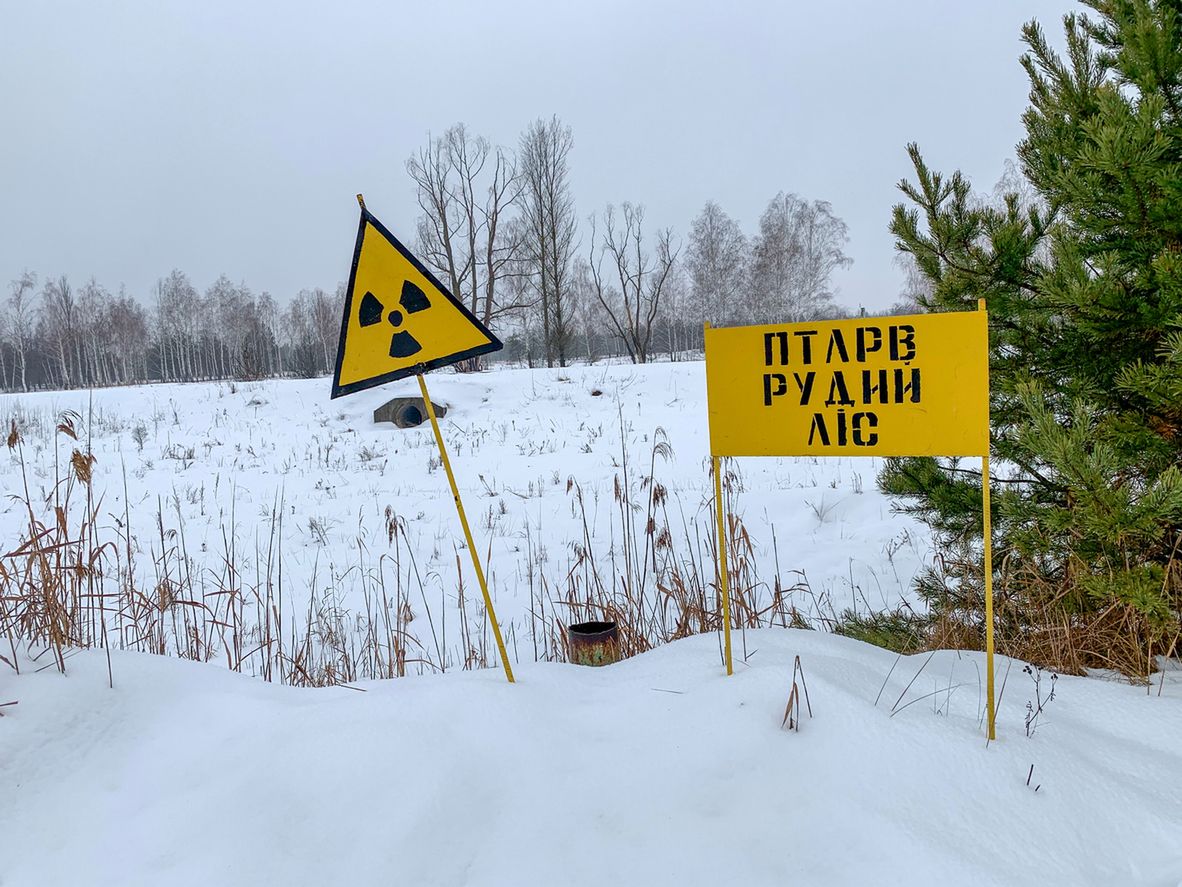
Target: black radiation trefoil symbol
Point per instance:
(412, 300)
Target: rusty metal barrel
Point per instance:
(593, 643)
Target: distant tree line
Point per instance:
(58, 335)
(500, 229)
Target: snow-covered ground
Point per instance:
(656, 771)
(269, 472)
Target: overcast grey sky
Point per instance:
(231, 137)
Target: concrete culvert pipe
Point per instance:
(406, 412)
(408, 416)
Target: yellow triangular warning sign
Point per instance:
(398, 319)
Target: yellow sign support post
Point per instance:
(400, 321)
(987, 517)
(914, 385)
(724, 589)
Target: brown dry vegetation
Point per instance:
(74, 582)
(71, 582)
(1033, 624)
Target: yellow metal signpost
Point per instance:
(890, 386)
(400, 321)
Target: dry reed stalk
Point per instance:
(791, 720)
(654, 576)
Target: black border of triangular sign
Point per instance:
(339, 390)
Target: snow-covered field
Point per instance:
(269, 472)
(657, 770)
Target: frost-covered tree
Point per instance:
(717, 260)
(59, 325)
(799, 246)
(20, 324)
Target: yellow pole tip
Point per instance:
(361, 201)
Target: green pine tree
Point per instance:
(1083, 282)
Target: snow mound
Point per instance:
(658, 770)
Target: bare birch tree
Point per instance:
(591, 325)
(20, 323)
(549, 229)
(7, 379)
(799, 246)
(465, 190)
(60, 318)
(176, 303)
(717, 263)
(916, 291)
(128, 323)
(630, 288)
(93, 335)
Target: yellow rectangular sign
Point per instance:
(916, 385)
